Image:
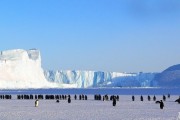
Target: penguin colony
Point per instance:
(97, 97)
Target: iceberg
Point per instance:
(21, 69)
(86, 79)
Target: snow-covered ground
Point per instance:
(125, 109)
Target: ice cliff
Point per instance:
(21, 69)
(84, 79)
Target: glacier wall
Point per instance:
(21, 69)
(85, 79)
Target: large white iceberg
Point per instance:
(21, 69)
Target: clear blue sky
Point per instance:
(106, 35)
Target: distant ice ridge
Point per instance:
(21, 69)
(85, 79)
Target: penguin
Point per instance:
(36, 103)
(154, 98)
(149, 98)
(141, 98)
(75, 97)
(133, 98)
(69, 100)
(164, 97)
(86, 97)
(161, 104)
(168, 95)
(178, 100)
(114, 101)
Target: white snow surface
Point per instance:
(21, 69)
(125, 109)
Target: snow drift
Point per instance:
(21, 69)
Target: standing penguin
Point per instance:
(149, 98)
(164, 97)
(168, 95)
(69, 100)
(141, 98)
(154, 98)
(133, 98)
(114, 101)
(75, 97)
(161, 104)
(36, 103)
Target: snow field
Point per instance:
(91, 109)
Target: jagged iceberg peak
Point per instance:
(21, 69)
